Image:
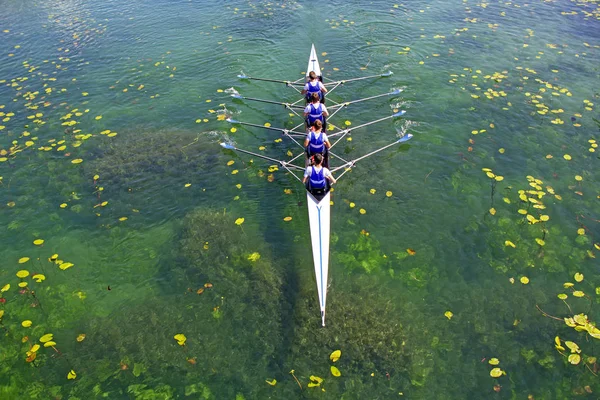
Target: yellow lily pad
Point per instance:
(180, 338)
(334, 356)
(496, 373)
(574, 359)
(22, 273)
(335, 371)
(46, 338)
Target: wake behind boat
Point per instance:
(318, 204)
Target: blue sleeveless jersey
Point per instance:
(317, 178)
(313, 88)
(316, 113)
(316, 144)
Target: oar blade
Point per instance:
(405, 138)
(242, 76)
(232, 121)
(399, 113)
(397, 91)
(237, 96)
(227, 146)
(389, 73)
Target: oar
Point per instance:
(342, 105)
(282, 130)
(348, 166)
(347, 131)
(288, 83)
(286, 105)
(341, 82)
(282, 163)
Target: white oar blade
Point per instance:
(399, 113)
(227, 146)
(405, 138)
(232, 121)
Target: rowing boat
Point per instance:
(318, 206)
(319, 217)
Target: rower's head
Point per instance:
(318, 159)
(318, 125)
(314, 98)
(312, 75)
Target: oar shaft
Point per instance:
(257, 155)
(346, 131)
(288, 83)
(284, 131)
(285, 164)
(359, 79)
(351, 163)
(260, 126)
(271, 102)
(365, 99)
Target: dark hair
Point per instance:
(312, 75)
(318, 158)
(314, 97)
(318, 124)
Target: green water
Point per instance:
(441, 241)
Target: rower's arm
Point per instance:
(307, 141)
(327, 144)
(323, 88)
(305, 178)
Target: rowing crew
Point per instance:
(317, 176)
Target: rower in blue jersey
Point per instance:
(314, 111)
(314, 85)
(316, 142)
(317, 178)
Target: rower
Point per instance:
(317, 178)
(314, 85)
(316, 142)
(316, 111)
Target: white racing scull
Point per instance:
(318, 206)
